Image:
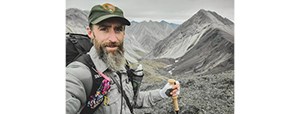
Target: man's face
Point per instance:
(108, 35)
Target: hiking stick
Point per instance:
(175, 101)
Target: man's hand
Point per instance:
(170, 90)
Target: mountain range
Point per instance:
(203, 44)
(141, 37)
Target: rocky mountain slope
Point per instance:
(149, 33)
(200, 94)
(141, 37)
(203, 44)
(76, 20)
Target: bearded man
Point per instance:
(115, 95)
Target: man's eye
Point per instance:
(103, 29)
(119, 29)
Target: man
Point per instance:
(107, 30)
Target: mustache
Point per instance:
(111, 44)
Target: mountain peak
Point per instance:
(133, 22)
(206, 16)
(163, 21)
(202, 11)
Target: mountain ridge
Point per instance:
(186, 45)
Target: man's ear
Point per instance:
(89, 32)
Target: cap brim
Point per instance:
(122, 19)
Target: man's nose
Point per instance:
(113, 36)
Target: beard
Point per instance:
(115, 60)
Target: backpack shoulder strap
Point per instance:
(97, 80)
(120, 89)
(136, 79)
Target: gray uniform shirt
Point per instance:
(79, 84)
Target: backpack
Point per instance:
(77, 45)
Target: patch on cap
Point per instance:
(109, 7)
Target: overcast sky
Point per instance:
(175, 11)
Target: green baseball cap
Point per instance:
(101, 12)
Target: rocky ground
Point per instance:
(200, 94)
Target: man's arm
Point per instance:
(78, 83)
(75, 94)
(148, 98)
